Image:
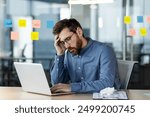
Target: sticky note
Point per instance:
(148, 19)
(22, 23)
(50, 24)
(36, 23)
(143, 31)
(8, 23)
(14, 35)
(140, 19)
(132, 32)
(127, 19)
(34, 35)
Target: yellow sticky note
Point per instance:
(35, 35)
(127, 19)
(22, 23)
(143, 31)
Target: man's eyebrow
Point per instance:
(66, 38)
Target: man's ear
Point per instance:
(79, 31)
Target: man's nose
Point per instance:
(67, 45)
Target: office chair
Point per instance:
(125, 69)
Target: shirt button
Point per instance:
(82, 78)
(79, 68)
(57, 59)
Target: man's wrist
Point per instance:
(59, 58)
(59, 54)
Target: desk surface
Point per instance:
(16, 93)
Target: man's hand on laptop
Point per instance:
(64, 88)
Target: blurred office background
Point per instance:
(102, 22)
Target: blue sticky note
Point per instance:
(8, 23)
(140, 19)
(50, 24)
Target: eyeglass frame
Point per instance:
(67, 40)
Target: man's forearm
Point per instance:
(91, 86)
(58, 74)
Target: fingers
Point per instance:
(62, 46)
(61, 88)
(60, 49)
(56, 88)
(57, 40)
(58, 91)
(56, 37)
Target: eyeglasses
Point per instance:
(67, 40)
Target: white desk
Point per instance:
(16, 93)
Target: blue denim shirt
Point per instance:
(94, 69)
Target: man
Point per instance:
(81, 64)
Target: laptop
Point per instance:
(33, 79)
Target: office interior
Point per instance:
(102, 22)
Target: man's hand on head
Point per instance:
(60, 49)
(61, 88)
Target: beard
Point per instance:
(76, 50)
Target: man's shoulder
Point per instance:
(102, 46)
(99, 44)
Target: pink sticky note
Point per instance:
(36, 23)
(14, 35)
(148, 19)
(132, 32)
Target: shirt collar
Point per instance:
(90, 41)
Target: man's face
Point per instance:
(71, 41)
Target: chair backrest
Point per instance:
(125, 69)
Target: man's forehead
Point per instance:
(64, 33)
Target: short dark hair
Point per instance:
(72, 24)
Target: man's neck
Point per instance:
(84, 42)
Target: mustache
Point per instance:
(74, 48)
(70, 48)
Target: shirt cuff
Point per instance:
(75, 87)
(59, 58)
